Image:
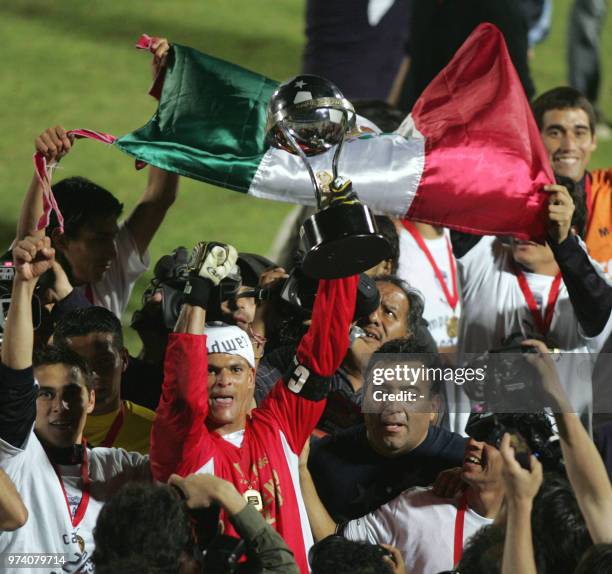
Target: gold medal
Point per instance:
(81, 543)
(452, 327)
(253, 498)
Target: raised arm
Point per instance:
(521, 488)
(147, 216)
(297, 401)
(33, 256)
(204, 490)
(179, 438)
(54, 144)
(585, 469)
(162, 186)
(590, 293)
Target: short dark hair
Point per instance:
(387, 229)
(386, 117)
(143, 528)
(56, 355)
(89, 320)
(562, 98)
(81, 201)
(483, 552)
(560, 535)
(337, 555)
(598, 558)
(415, 300)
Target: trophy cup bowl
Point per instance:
(308, 116)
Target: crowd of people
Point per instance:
(246, 436)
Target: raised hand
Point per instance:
(33, 257)
(212, 260)
(54, 143)
(560, 212)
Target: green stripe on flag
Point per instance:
(210, 122)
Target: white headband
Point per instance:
(222, 338)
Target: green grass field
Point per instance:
(72, 62)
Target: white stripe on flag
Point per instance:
(385, 170)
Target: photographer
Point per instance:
(204, 422)
(128, 540)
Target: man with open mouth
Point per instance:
(205, 422)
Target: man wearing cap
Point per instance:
(203, 423)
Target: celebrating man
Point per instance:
(204, 421)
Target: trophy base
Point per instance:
(341, 241)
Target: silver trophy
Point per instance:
(307, 116)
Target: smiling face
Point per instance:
(62, 405)
(569, 141)
(482, 464)
(231, 383)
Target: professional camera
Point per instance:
(170, 277)
(530, 433)
(7, 275)
(510, 383)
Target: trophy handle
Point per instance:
(336, 159)
(300, 152)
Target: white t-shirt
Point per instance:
(414, 267)
(421, 525)
(494, 307)
(114, 289)
(49, 527)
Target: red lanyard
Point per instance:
(459, 522)
(543, 324)
(451, 298)
(85, 480)
(113, 431)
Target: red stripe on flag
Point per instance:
(485, 162)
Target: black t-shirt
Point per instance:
(352, 479)
(439, 28)
(356, 44)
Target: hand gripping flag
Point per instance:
(468, 157)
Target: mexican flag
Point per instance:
(468, 157)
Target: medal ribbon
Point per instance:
(85, 480)
(542, 323)
(451, 298)
(44, 176)
(113, 431)
(459, 522)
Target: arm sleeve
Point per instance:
(264, 542)
(180, 442)
(321, 351)
(17, 404)
(590, 293)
